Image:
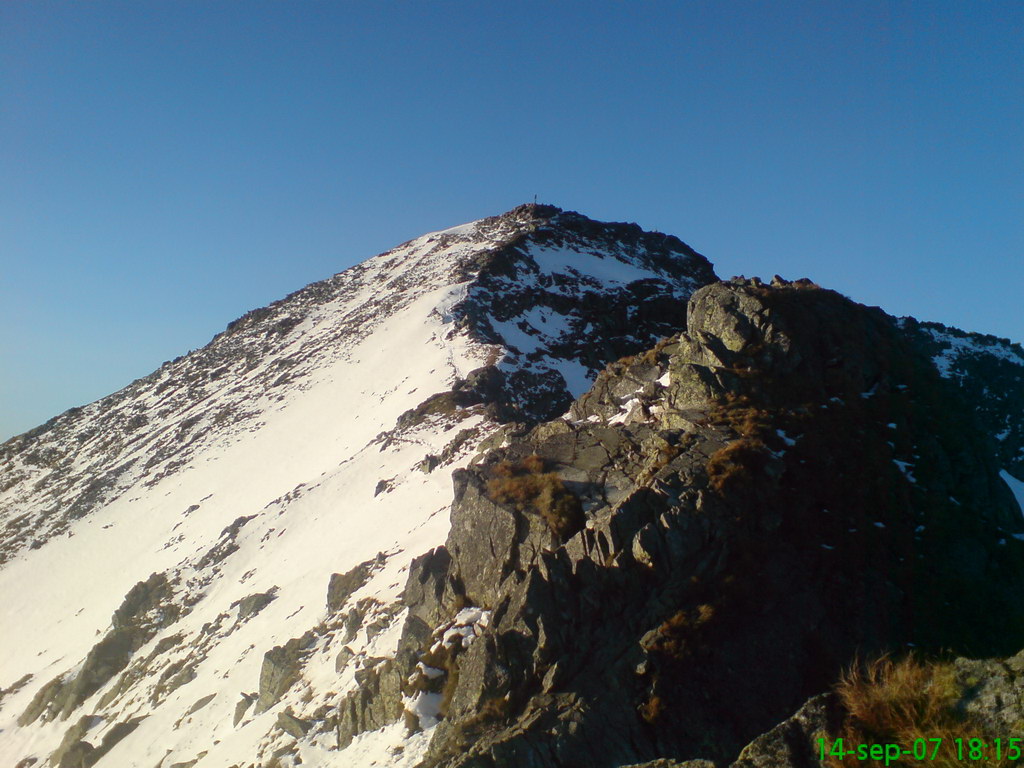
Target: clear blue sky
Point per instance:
(167, 166)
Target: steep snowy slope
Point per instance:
(207, 505)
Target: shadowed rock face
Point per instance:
(990, 371)
(784, 485)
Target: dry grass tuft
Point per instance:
(742, 414)
(737, 463)
(678, 632)
(901, 702)
(526, 486)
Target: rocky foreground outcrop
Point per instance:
(706, 540)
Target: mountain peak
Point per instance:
(211, 501)
(663, 484)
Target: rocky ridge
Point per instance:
(544, 326)
(990, 370)
(694, 549)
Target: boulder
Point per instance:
(280, 671)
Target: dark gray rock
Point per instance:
(483, 541)
(342, 585)
(45, 703)
(280, 671)
(250, 605)
(791, 744)
(78, 755)
(146, 609)
(14, 687)
(72, 737)
(718, 582)
(428, 585)
(375, 703)
(114, 736)
(292, 725)
(226, 544)
(989, 371)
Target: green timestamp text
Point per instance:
(968, 750)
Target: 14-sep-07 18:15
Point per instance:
(971, 750)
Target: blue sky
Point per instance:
(167, 166)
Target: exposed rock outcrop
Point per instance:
(146, 608)
(280, 670)
(785, 484)
(343, 585)
(377, 701)
(792, 743)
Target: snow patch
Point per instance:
(1016, 486)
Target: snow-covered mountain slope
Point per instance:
(206, 506)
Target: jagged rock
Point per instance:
(483, 540)
(352, 622)
(292, 725)
(106, 659)
(375, 703)
(342, 659)
(988, 370)
(16, 686)
(383, 620)
(243, 706)
(72, 737)
(426, 587)
(226, 545)
(145, 609)
(342, 586)
(44, 703)
(114, 736)
(280, 670)
(993, 693)
(722, 479)
(75, 751)
(250, 605)
(78, 755)
(791, 744)
(145, 596)
(705, 595)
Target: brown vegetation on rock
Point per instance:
(525, 485)
(737, 463)
(910, 702)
